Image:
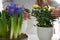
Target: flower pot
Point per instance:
(56, 29)
(44, 33)
(22, 36)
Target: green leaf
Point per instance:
(3, 24)
(14, 22)
(43, 17)
(19, 26)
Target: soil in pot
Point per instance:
(22, 37)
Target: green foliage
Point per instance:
(43, 17)
(10, 24)
(3, 23)
(16, 25)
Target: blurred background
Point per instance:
(30, 28)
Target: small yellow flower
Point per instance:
(36, 6)
(45, 7)
(52, 8)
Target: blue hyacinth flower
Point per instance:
(11, 11)
(12, 5)
(19, 10)
(11, 8)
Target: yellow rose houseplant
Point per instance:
(44, 21)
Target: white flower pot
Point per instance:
(44, 33)
(56, 29)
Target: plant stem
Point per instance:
(11, 33)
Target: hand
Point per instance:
(56, 12)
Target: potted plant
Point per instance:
(44, 21)
(11, 23)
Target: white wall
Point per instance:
(26, 3)
(1, 6)
(28, 27)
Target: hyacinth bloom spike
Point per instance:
(12, 5)
(11, 11)
(16, 19)
(19, 10)
(11, 8)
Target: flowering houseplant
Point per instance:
(44, 21)
(11, 20)
(43, 15)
